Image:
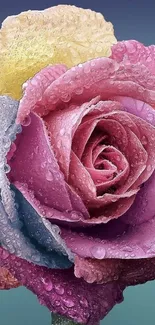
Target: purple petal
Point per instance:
(62, 292)
(128, 242)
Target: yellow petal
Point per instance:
(61, 34)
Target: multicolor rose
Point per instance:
(77, 160)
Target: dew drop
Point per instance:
(49, 176)
(98, 252)
(144, 140)
(26, 121)
(59, 289)
(57, 303)
(68, 302)
(7, 168)
(5, 254)
(6, 142)
(62, 131)
(149, 168)
(83, 302)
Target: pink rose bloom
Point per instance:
(82, 175)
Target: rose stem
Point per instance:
(61, 320)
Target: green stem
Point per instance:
(61, 320)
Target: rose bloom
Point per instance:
(77, 181)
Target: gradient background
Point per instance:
(132, 19)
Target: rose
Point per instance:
(93, 122)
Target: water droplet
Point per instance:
(27, 121)
(43, 164)
(57, 303)
(47, 284)
(98, 252)
(84, 302)
(150, 117)
(36, 149)
(144, 140)
(19, 128)
(5, 254)
(7, 168)
(149, 168)
(68, 302)
(62, 131)
(59, 289)
(6, 142)
(49, 176)
(75, 215)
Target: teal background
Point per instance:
(132, 19)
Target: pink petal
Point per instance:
(134, 52)
(63, 293)
(81, 180)
(102, 206)
(82, 136)
(34, 163)
(77, 213)
(105, 78)
(34, 89)
(88, 124)
(121, 169)
(61, 127)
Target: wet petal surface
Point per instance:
(63, 293)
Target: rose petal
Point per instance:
(61, 34)
(7, 281)
(146, 134)
(88, 124)
(34, 163)
(143, 208)
(34, 226)
(134, 52)
(129, 272)
(80, 179)
(15, 240)
(64, 294)
(106, 78)
(133, 242)
(137, 108)
(92, 270)
(77, 213)
(8, 111)
(34, 88)
(61, 127)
